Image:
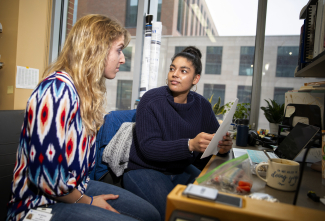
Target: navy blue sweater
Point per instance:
(163, 127)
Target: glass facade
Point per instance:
(213, 60)
(180, 16)
(179, 49)
(217, 90)
(244, 94)
(131, 13)
(279, 94)
(246, 60)
(287, 61)
(124, 94)
(128, 58)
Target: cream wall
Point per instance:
(24, 42)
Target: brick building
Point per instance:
(178, 17)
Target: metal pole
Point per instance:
(258, 63)
(141, 21)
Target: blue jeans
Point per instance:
(154, 186)
(129, 206)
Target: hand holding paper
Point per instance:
(224, 127)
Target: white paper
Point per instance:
(144, 83)
(223, 129)
(154, 54)
(26, 77)
(239, 152)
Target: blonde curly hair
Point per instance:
(83, 57)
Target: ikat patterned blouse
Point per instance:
(54, 154)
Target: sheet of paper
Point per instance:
(239, 152)
(26, 77)
(314, 155)
(223, 129)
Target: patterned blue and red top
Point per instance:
(55, 154)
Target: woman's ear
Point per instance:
(196, 79)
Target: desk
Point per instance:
(253, 209)
(311, 180)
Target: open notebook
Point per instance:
(290, 148)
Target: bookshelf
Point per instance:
(314, 69)
(313, 53)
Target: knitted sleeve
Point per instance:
(54, 138)
(149, 133)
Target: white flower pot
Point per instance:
(274, 128)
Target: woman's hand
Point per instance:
(100, 201)
(225, 144)
(200, 142)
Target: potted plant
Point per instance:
(217, 109)
(242, 110)
(274, 114)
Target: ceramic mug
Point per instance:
(281, 174)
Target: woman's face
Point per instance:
(181, 76)
(114, 59)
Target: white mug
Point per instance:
(281, 174)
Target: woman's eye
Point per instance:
(171, 69)
(184, 71)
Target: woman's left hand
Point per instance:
(225, 144)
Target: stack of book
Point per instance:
(312, 41)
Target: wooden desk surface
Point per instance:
(311, 180)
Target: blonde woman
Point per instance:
(57, 143)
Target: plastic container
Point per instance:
(242, 133)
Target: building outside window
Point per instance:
(124, 94)
(244, 93)
(128, 58)
(159, 10)
(246, 60)
(180, 15)
(279, 94)
(287, 61)
(213, 60)
(179, 49)
(131, 13)
(218, 90)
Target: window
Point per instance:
(187, 11)
(246, 60)
(213, 60)
(218, 90)
(124, 94)
(128, 58)
(131, 13)
(244, 94)
(180, 16)
(179, 49)
(287, 61)
(279, 94)
(159, 10)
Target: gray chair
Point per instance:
(10, 125)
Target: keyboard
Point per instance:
(258, 156)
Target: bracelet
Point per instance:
(79, 198)
(91, 202)
(188, 143)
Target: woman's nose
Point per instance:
(122, 58)
(175, 73)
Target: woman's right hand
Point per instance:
(200, 142)
(100, 201)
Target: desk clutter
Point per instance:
(233, 176)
